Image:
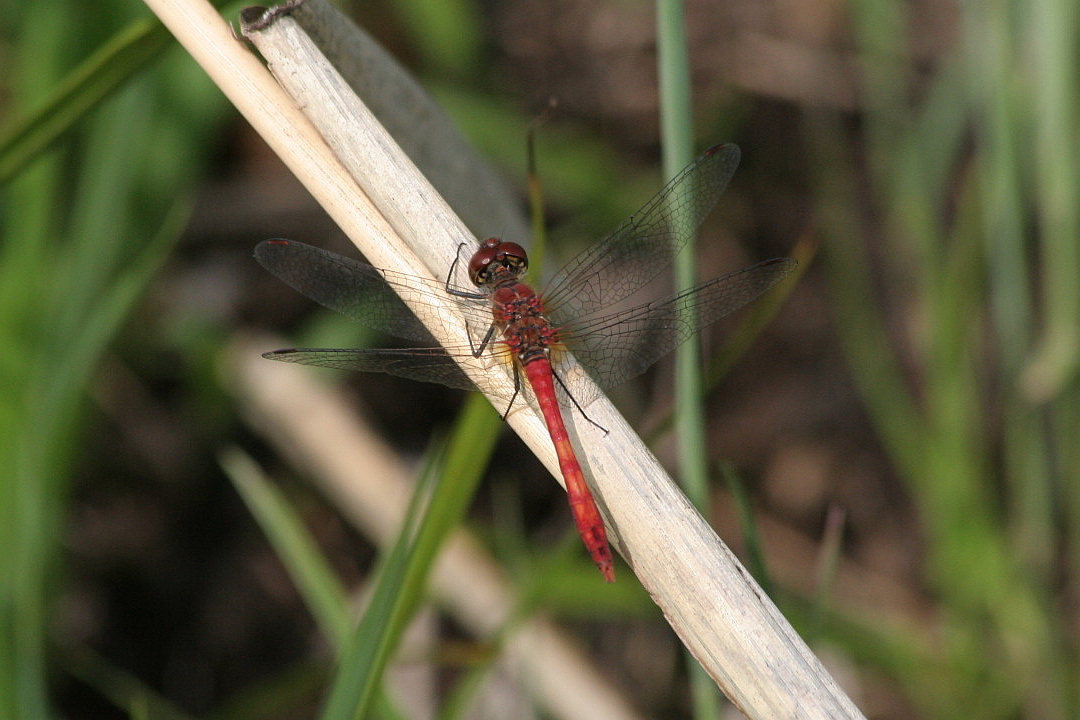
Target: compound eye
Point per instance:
(481, 261)
(514, 256)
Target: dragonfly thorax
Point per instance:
(496, 261)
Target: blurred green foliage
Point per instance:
(947, 208)
(85, 226)
(971, 173)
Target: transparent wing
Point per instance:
(370, 296)
(434, 365)
(423, 364)
(616, 347)
(645, 244)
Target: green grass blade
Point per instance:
(52, 402)
(860, 326)
(1056, 146)
(404, 573)
(122, 688)
(751, 537)
(310, 571)
(538, 247)
(113, 65)
(678, 139)
(77, 258)
(68, 102)
(366, 652)
(677, 130)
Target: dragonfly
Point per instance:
(586, 309)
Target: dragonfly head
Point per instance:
(496, 259)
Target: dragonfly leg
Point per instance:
(451, 290)
(576, 403)
(478, 351)
(517, 388)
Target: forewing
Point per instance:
(370, 296)
(645, 244)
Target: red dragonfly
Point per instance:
(579, 310)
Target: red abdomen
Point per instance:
(587, 517)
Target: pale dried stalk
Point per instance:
(722, 616)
